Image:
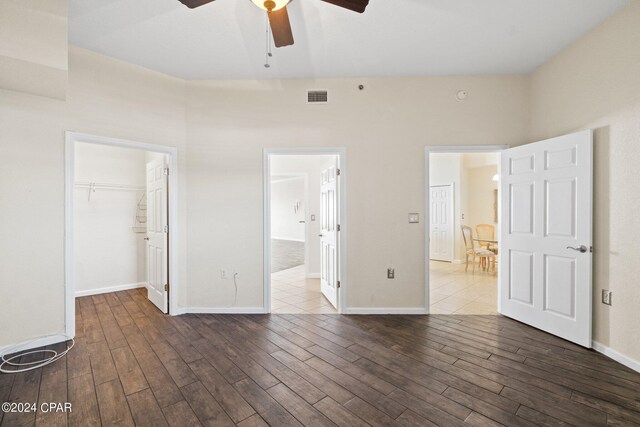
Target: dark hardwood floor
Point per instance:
(134, 366)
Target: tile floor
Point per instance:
(454, 291)
(292, 292)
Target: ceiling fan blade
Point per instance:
(281, 27)
(355, 5)
(194, 3)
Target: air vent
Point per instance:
(317, 97)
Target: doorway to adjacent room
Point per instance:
(304, 236)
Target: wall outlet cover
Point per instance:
(391, 273)
(414, 218)
(606, 296)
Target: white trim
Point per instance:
(313, 275)
(341, 153)
(70, 139)
(390, 310)
(223, 310)
(33, 343)
(618, 357)
(287, 239)
(449, 149)
(109, 289)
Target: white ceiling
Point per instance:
(226, 39)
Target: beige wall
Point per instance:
(595, 83)
(33, 47)
(105, 97)
(384, 128)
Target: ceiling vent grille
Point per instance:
(317, 97)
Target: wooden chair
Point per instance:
(486, 232)
(482, 253)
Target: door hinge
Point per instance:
(166, 171)
(166, 228)
(337, 172)
(338, 227)
(166, 287)
(338, 284)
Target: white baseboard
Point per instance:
(34, 343)
(382, 310)
(457, 261)
(287, 239)
(313, 275)
(620, 358)
(111, 289)
(223, 310)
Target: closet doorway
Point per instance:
(120, 206)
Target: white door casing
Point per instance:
(329, 234)
(546, 210)
(441, 224)
(157, 234)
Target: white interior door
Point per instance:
(546, 232)
(157, 234)
(329, 234)
(441, 227)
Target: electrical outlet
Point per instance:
(223, 273)
(391, 273)
(606, 296)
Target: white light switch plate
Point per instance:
(414, 218)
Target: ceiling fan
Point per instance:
(279, 18)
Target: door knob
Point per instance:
(320, 235)
(581, 249)
(146, 238)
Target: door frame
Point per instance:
(341, 153)
(452, 149)
(69, 251)
(452, 216)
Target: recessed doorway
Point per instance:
(462, 207)
(304, 232)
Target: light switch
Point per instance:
(414, 218)
(313, 217)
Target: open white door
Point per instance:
(157, 234)
(329, 234)
(546, 232)
(441, 227)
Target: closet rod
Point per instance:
(102, 186)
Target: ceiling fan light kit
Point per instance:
(279, 18)
(271, 5)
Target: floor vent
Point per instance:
(317, 97)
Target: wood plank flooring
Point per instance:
(134, 366)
